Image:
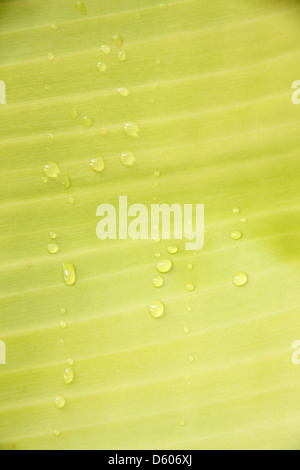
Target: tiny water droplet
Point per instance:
(123, 91)
(244, 219)
(117, 40)
(54, 27)
(131, 129)
(164, 266)
(122, 56)
(50, 55)
(65, 181)
(70, 362)
(69, 375)
(61, 341)
(53, 235)
(44, 179)
(172, 250)
(163, 6)
(50, 136)
(236, 210)
(103, 131)
(63, 311)
(157, 255)
(236, 235)
(74, 113)
(97, 164)
(189, 308)
(182, 423)
(157, 309)
(63, 325)
(105, 49)
(60, 402)
(69, 273)
(53, 248)
(157, 240)
(101, 66)
(71, 200)
(191, 359)
(190, 287)
(240, 279)
(157, 173)
(81, 8)
(87, 121)
(56, 433)
(190, 267)
(158, 281)
(127, 159)
(186, 330)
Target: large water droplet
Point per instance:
(60, 402)
(52, 248)
(127, 159)
(81, 8)
(97, 164)
(158, 281)
(131, 129)
(240, 279)
(117, 40)
(69, 273)
(69, 375)
(51, 170)
(157, 309)
(236, 235)
(164, 266)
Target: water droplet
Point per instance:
(236, 210)
(69, 375)
(52, 248)
(127, 159)
(236, 235)
(105, 49)
(186, 330)
(70, 362)
(61, 341)
(103, 131)
(190, 267)
(56, 433)
(182, 423)
(123, 91)
(50, 55)
(51, 170)
(240, 279)
(157, 255)
(163, 7)
(74, 113)
(158, 281)
(60, 402)
(53, 235)
(50, 136)
(71, 200)
(172, 250)
(131, 129)
(81, 8)
(164, 266)
(69, 273)
(189, 308)
(97, 164)
(101, 66)
(54, 27)
(63, 325)
(191, 359)
(157, 173)
(122, 56)
(44, 179)
(117, 40)
(65, 181)
(244, 219)
(157, 240)
(87, 121)
(63, 311)
(190, 287)
(157, 309)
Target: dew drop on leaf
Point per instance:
(156, 309)
(240, 279)
(69, 273)
(164, 266)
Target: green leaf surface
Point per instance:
(210, 88)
